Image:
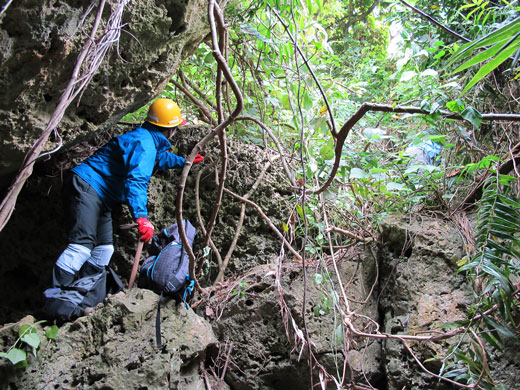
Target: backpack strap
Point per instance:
(158, 323)
(188, 291)
(185, 298)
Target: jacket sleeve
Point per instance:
(139, 161)
(167, 160)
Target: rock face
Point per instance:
(422, 290)
(250, 319)
(412, 288)
(115, 348)
(39, 44)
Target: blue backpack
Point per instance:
(166, 271)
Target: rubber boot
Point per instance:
(89, 269)
(61, 278)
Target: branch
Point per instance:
(266, 218)
(196, 89)
(6, 6)
(458, 384)
(199, 215)
(220, 276)
(290, 176)
(189, 160)
(352, 18)
(366, 107)
(348, 234)
(203, 110)
(322, 92)
(435, 21)
(221, 134)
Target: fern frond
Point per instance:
(497, 243)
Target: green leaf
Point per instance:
(51, 332)
(500, 234)
(32, 339)
(208, 58)
(26, 328)
(491, 39)
(356, 173)
(318, 279)
(472, 116)
(15, 355)
(309, 6)
(495, 245)
(286, 103)
(407, 76)
(327, 151)
(481, 57)
(503, 226)
(299, 209)
(491, 340)
(456, 105)
(395, 186)
(505, 179)
(492, 65)
(456, 324)
(503, 330)
(509, 201)
(469, 266)
(310, 249)
(440, 139)
(307, 101)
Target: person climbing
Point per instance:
(118, 172)
(424, 153)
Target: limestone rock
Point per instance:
(263, 340)
(422, 292)
(39, 44)
(115, 348)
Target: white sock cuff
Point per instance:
(101, 255)
(73, 257)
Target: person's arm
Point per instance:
(167, 160)
(139, 161)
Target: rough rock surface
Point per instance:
(418, 290)
(114, 348)
(264, 355)
(412, 287)
(422, 290)
(39, 44)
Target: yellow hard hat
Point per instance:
(165, 113)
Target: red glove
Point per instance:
(198, 158)
(145, 229)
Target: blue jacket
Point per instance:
(121, 170)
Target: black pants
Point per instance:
(88, 221)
